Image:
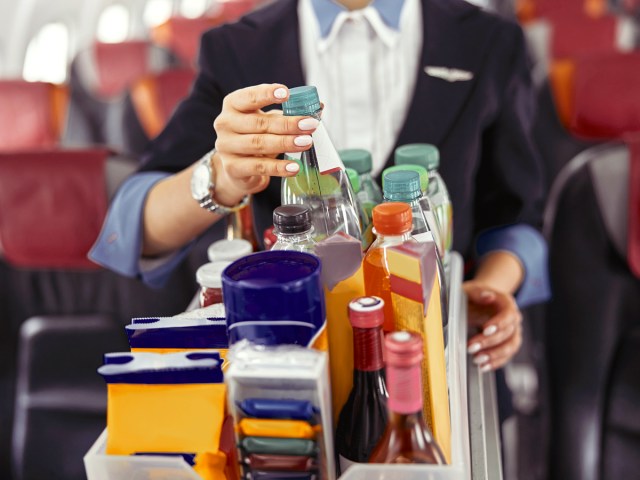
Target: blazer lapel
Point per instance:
(437, 102)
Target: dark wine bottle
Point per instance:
(407, 438)
(363, 418)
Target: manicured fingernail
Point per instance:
(292, 167)
(475, 348)
(308, 124)
(485, 368)
(486, 294)
(480, 359)
(490, 330)
(280, 93)
(303, 140)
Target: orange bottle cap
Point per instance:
(392, 218)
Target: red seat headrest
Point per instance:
(119, 64)
(52, 205)
(577, 35)
(606, 101)
(182, 35)
(32, 114)
(155, 97)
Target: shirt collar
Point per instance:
(327, 11)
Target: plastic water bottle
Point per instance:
(321, 184)
(428, 156)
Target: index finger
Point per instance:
(251, 99)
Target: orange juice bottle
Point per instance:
(392, 223)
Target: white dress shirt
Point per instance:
(365, 72)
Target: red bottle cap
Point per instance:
(392, 218)
(269, 238)
(404, 349)
(366, 312)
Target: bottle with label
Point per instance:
(322, 183)
(292, 227)
(365, 217)
(392, 223)
(404, 186)
(407, 438)
(240, 225)
(370, 193)
(428, 156)
(364, 417)
(209, 277)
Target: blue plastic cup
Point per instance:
(274, 298)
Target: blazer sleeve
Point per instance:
(510, 191)
(189, 134)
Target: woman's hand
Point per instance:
(249, 139)
(495, 323)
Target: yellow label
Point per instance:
(164, 418)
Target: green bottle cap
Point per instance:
(302, 101)
(424, 175)
(354, 178)
(423, 154)
(356, 158)
(402, 186)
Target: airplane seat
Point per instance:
(530, 10)
(592, 223)
(155, 97)
(557, 45)
(181, 35)
(32, 114)
(57, 201)
(100, 77)
(58, 390)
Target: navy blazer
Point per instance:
(482, 126)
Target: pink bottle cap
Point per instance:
(366, 312)
(404, 382)
(404, 349)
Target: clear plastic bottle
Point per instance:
(428, 209)
(292, 227)
(428, 156)
(365, 217)
(322, 183)
(370, 193)
(392, 223)
(404, 186)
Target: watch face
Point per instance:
(200, 182)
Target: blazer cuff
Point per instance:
(119, 245)
(526, 243)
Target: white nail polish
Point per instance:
(292, 167)
(475, 348)
(308, 124)
(490, 330)
(280, 93)
(480, 359)
(485, 368)
(303, 140)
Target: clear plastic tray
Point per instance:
(456, 352)
(100, 466)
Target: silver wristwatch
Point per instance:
(203, 184)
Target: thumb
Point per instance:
(479, 294)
